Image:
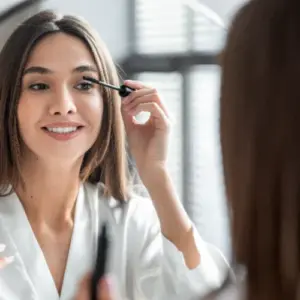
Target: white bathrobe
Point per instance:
(144, 264)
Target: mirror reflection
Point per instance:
(75, 156)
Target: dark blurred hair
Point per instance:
(260, 137)
(106, 161)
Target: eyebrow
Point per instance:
(43, 70)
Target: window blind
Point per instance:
(172, 26)
(207, 198)
(207, 35)
(160, 26)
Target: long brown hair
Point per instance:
(260, 137)
(106, 161)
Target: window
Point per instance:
(206, 198)
(171, 26)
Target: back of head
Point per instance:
(260, 106)
(106, 160)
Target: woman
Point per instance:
(260, 143)
(62, 156)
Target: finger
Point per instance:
(153, 97)
(157, 114)
(4, 261)
(138, 93)
(106, 290)
(83, 292)
(127, 120)
(142, 87)
(146, 99)
(136, 84)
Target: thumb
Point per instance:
(106, 289)
(128, 120)
(83, 292)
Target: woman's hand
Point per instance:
(148, 142)
(149, 146)
(4, 261)
(105, 289)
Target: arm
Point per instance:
(175, 223)
(173, 262)
(160, 270)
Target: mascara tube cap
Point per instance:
(124, 90)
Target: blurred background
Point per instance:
(172, 45)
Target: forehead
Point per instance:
(60, 50)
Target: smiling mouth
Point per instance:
(62, 130)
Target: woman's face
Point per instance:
(59, 114)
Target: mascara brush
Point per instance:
(123, 90)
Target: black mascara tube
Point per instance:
(101, 261)
(123, 90)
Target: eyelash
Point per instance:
(87, 84)
(32, 86)
(44, 86)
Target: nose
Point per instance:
(63, 103)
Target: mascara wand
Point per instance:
(101, 262)
(123, 90)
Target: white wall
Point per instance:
(5, 4)
(109, 17)
(8, 26)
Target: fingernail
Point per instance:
(106, 282)
(2, 247)
(4, 261)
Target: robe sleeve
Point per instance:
(160, 271)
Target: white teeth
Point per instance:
(62, 129)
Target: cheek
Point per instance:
(97, 119)
(94, 112)
(27, 116)
(24, 112)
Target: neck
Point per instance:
(50, 191)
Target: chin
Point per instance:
(65, 154)
(65, 158)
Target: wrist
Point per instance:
(154, 176)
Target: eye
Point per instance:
(39, 86)
(85, 86)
